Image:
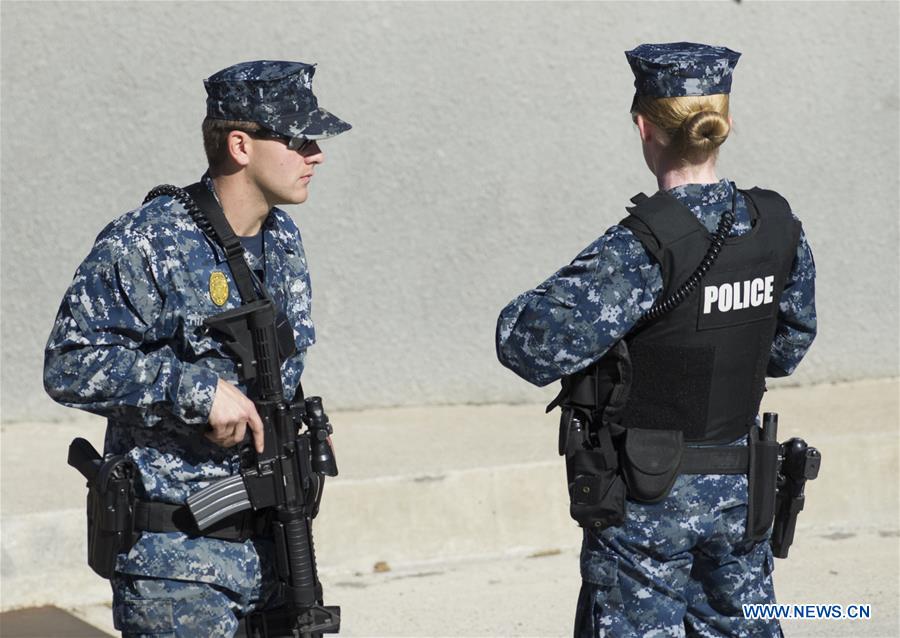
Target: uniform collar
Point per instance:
(715, 193)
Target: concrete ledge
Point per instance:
(425, 485)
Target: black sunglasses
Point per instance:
(294, 143)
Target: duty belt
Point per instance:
(164, 517)
(715, 460)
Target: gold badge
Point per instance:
(218, 288)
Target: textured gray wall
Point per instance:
(491, 142)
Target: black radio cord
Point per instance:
(189, 204)
(684, 290)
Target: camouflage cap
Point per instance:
(277, 95)
(681, 68)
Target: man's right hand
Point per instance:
(230, 415)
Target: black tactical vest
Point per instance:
(701, 367)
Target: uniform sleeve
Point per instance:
(796, 327)
(97, 357)
(575, 316)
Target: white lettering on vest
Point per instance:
(710, 294)
(756, 292)
(725, 297)
(770, 286)
(740, 300)
(738, 295)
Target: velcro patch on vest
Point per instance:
(671, 388)
(736, 297)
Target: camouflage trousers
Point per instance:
(679, 567)
(174, 586)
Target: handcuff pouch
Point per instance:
(650, 464)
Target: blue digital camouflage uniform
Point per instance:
(680, 566)
(128, 343)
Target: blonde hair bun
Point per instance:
(703, 132)
(696, 125)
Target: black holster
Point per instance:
(110, 504)
(110, 514)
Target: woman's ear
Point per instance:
(645, 128)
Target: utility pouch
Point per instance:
(762, 480)
(591, 402)
(650, 464)
(110, 504)
(596, 493)
(596, 490)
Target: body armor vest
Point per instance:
(700, 368)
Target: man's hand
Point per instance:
(230, 415)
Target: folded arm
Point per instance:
(571, 319)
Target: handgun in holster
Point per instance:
(110, 504)
(799, 463)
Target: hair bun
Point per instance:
(704, 131)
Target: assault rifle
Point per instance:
(287, 478)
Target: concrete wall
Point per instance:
(491, 142)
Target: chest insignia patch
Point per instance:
(218, 288)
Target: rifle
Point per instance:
(287, 478)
